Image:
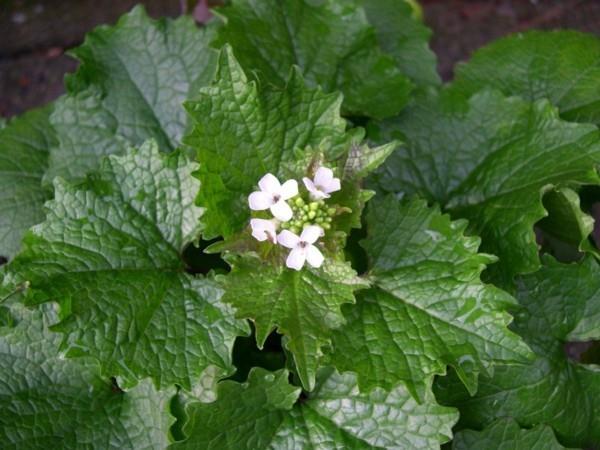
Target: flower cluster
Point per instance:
(303, 220)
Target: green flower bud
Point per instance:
(319, 219)
(295, 230)
(299, 201)
(331, 211)
(313, 206)
(311, 214)
(326, 226)
(328, 219)
(305, 208)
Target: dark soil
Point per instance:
(35, 34)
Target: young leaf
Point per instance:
(332, 44)
(47, 401)
(562, 66)
(562, 303)
(130, 85)
(427, 307)
(24, 145)
(241, 134)
(489, 159)
(109, 254)
(403, 37)
(505, 434)
(303, 305)
(261, 414)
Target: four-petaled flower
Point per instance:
(273, 196)
(263, 230)
(323, 184)
(302, 247)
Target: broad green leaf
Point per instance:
(505, 434)
(562, 66)
(561, 303)
(404, 37)
(109, 254)
(331, 42)
(261, 414)
(303, 305)
(241, 133)
(24, 145)
(566, 223)
(47, 401)
(133, 78)
(427, 308)
(489, 159)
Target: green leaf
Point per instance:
(303, 305)
(133, 78)
(261, 414)
(506, 434)
(404, 37)
(566, 222)
(109, 254)
(489, 159)
(24, 144)
(561, 303)
(270, 131)
(427, 307)
(331, 42)
(562, 66)
(47, 401)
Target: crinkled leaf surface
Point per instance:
(562, 66)
(130, 86)
(331, 42)
(242, 133)
(505, 434)
(428, 307)
(488, 158)
(303, 305)
(109, 254)
(405, 38)
(24, 145)
(47, 401)
(562, 303)
(261, 414)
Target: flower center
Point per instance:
(276, 198)
(303, 244)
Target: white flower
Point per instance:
(264, 229)
(272, 195)
(302, 247)
(323, 184)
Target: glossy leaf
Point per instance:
(505, 434)
(109, 254)
(303, 305)
(562, 66)
(261, 414)
(489, 159)
(427, 307)
(331, 42)
(47, 401)
(562, 303)
(24, 145)
(131, 82)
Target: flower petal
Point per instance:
(310, 186)
(296, 258)
(334, 185)
(311, 233)
(260, 200)
(314, 257)
(269, 183)
(288, 239)
(323, 176)
(289, 189)
(282, 211)
(263, 229)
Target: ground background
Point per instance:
(34, 34)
